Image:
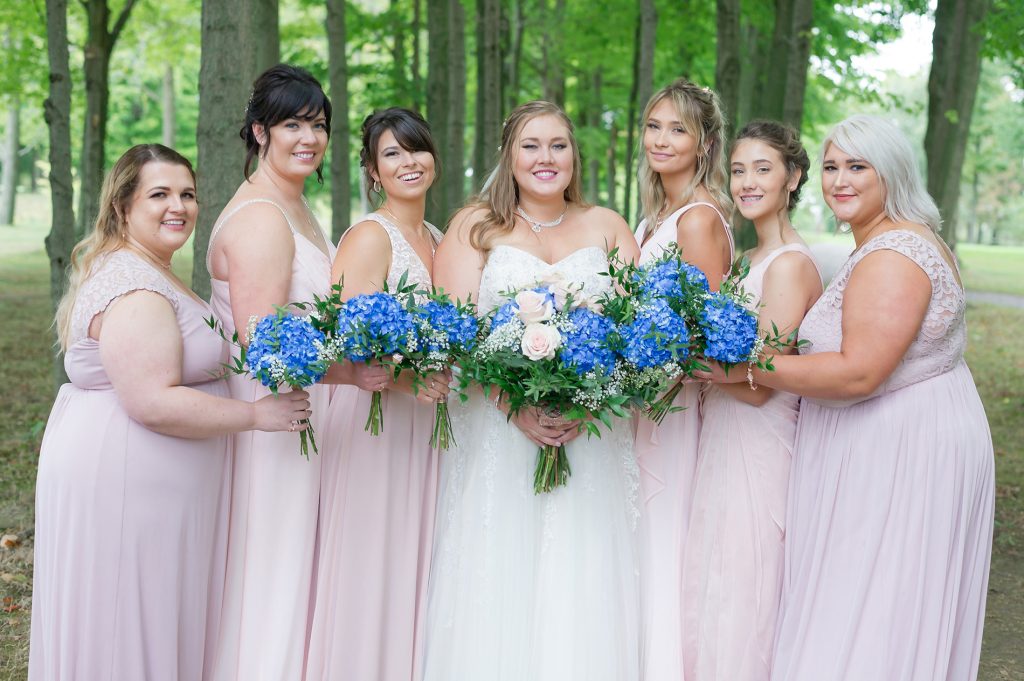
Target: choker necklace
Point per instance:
(537, 225)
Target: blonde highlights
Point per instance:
(500, 194)
(108, 233)
(700, 112)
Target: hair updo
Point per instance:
(786, 141)
(411, 131)
(282, 92)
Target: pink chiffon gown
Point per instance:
(732, 576)
(891, 505)
(667, 456)
(274, 504)
(376, 522)
(131, 525)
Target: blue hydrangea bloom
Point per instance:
(663, 279)
(504, 314)
(374, 325)
(694, 276)
(586, 347)
(730, 330)
(283, 349)
(656, 337)
(459, 327)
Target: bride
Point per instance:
(524, 586)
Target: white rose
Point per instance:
(540, 341)
(534, 307)
(592, 303)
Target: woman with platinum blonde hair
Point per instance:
(889, 525)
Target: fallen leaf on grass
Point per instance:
(9, 541)
(10, 605)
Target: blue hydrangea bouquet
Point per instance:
(551, 348)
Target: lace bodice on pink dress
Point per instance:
(939, 345)
(404, 257)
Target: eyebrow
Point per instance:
(167, 189)
(652, 119)
(537, 139)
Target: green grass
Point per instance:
(997, 269)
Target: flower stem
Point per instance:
(552, 469)
(306, 439)
(658, 409)
(442, 436)
(375, 419)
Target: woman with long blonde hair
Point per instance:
(132, 490)
(526, 586)
(682, 178)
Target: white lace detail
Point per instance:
(115, 275)
(940, 342)
(404, 257)
(509, 268)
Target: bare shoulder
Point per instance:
(795, 272)
(463, 222)
(699, 223)
(363, 234)
(599, 215)
(256, 222)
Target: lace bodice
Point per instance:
(404, 257)
(940, 342)
(509, 268)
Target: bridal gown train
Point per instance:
(525, 586)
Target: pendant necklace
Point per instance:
(537, 225)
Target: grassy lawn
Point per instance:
(995, 354)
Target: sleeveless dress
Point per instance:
(891, 504)
(526, 586)
(667, 456)
(732, 576)
(274, 504)
(131, 525)
(376, 521)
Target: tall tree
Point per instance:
(786, 74)
(952, 86)
(446, 102)
(340, 165)
(488, 88)
(552, 51)
(643, 84)
(239, 41)
(168, 108)
(727, 62)
(99, 45)
(9, 160)
(515, 25)
(57, 113)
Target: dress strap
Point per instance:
(231, 213)
(725, 223)
(790, 248)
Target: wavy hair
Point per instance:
(888, 150)
(500, 195)
(108, 234)
(700, 112)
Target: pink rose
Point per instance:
(534, 307)
(540, 341)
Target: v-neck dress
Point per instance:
(274, 504)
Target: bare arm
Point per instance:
(457, 265)
(702, 238)
(141, 351)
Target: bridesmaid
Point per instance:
(681, 177)
(132, 490)
(378, 492)
(732, 577)
(267, 249)
(891, 499)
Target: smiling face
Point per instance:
(851, 187)
(543, 161)
(162, 212)
(759, 180)
(670, 148)
(296, 146)
(402, 173)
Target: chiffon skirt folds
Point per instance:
(376, 526)
(526, 586)
(890, 535)
(131, 538)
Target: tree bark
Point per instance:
(340, 162)
(516, 27)
(799, 59)
(488, 88)
(609, 173)
(417, 77)
(446, 103)
(952, 87)
(9, 161)
(643, 84)
(57, 114)
(235, 50)
(554, 71)
(595, 108)
(169, 117)
(397, 50)
(727, 58)
(631, 122)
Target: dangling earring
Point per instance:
(376, 187)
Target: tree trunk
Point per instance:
(446, 103)
(33, 169)
(234, 42)
(609, 173)
(169, 118)
(340, 163)
(952, 86)
(643, 84)
(554, 71)
(727, 63)
(488, 88)
(417, 77)
(9, 162)
(594, 110)
(57, 113)
(799, 59)
(397, 50)
(516, 27)
(631, 122)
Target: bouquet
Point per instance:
(284, 349)
(446, 333)
(550, 347)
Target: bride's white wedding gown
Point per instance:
(529, 587)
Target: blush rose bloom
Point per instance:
(540, 341)
(534, 307)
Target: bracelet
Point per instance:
(750, 376)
